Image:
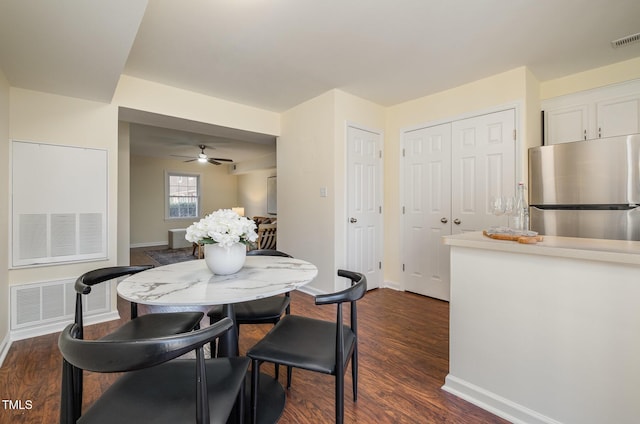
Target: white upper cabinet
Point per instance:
(566, 124)
(603, 112)
(618, 116)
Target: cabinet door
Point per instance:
(620, 116)
(427, 210)
(483, 165)
(566, 124)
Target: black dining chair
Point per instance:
(268, 310)
(315, 345)
(155, 386)
(139, 327)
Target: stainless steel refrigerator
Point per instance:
(586, 188)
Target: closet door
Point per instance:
(450, 171)
(482, 165)
(427, 210)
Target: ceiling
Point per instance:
(275, 54)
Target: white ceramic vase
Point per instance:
(225, 260)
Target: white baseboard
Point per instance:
(392, 285)
(5, 345)
(310, 291)
(149, 244)
(497, 405)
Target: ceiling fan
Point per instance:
(202, 157)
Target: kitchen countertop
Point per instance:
(617, 251)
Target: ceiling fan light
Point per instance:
(202, 159)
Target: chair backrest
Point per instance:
(268, 252)
(272, 252)
(267, 236)
(351, 294)
(128, 355)
(264, 220)
(84, 283)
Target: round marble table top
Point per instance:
(191, 282)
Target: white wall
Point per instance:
(306, 163)
(152, 97)
(4, 214)
(311, 155)
(124, 190)
(252, 192)
(147, 201)
(49, 118)
(598, 77)
(134, 93)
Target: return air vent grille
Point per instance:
(625, 41)
(38, 304)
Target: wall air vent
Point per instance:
(625, 41)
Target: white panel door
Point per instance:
(427, 210)
(483, 165)
(364, 203)
(450, 171)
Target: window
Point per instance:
(183, 195)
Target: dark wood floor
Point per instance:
(403, 363)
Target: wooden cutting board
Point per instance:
(514, 237)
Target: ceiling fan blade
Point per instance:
(213, 161)
(182, 156)
(223, 160)
(190, 160)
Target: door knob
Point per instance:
(457, 221)
(353, 220)
(444, 220)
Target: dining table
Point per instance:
(191, 284)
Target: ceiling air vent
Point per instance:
(625, 41)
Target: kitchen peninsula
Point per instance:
(546, 332)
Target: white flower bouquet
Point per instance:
(224, 227)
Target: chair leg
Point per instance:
(68, 399)
(339, 398)
(240, 406)
(354, 372)
(255, 380)
(78, 382)
(277, 366)
(289, 376)
(213, 345)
